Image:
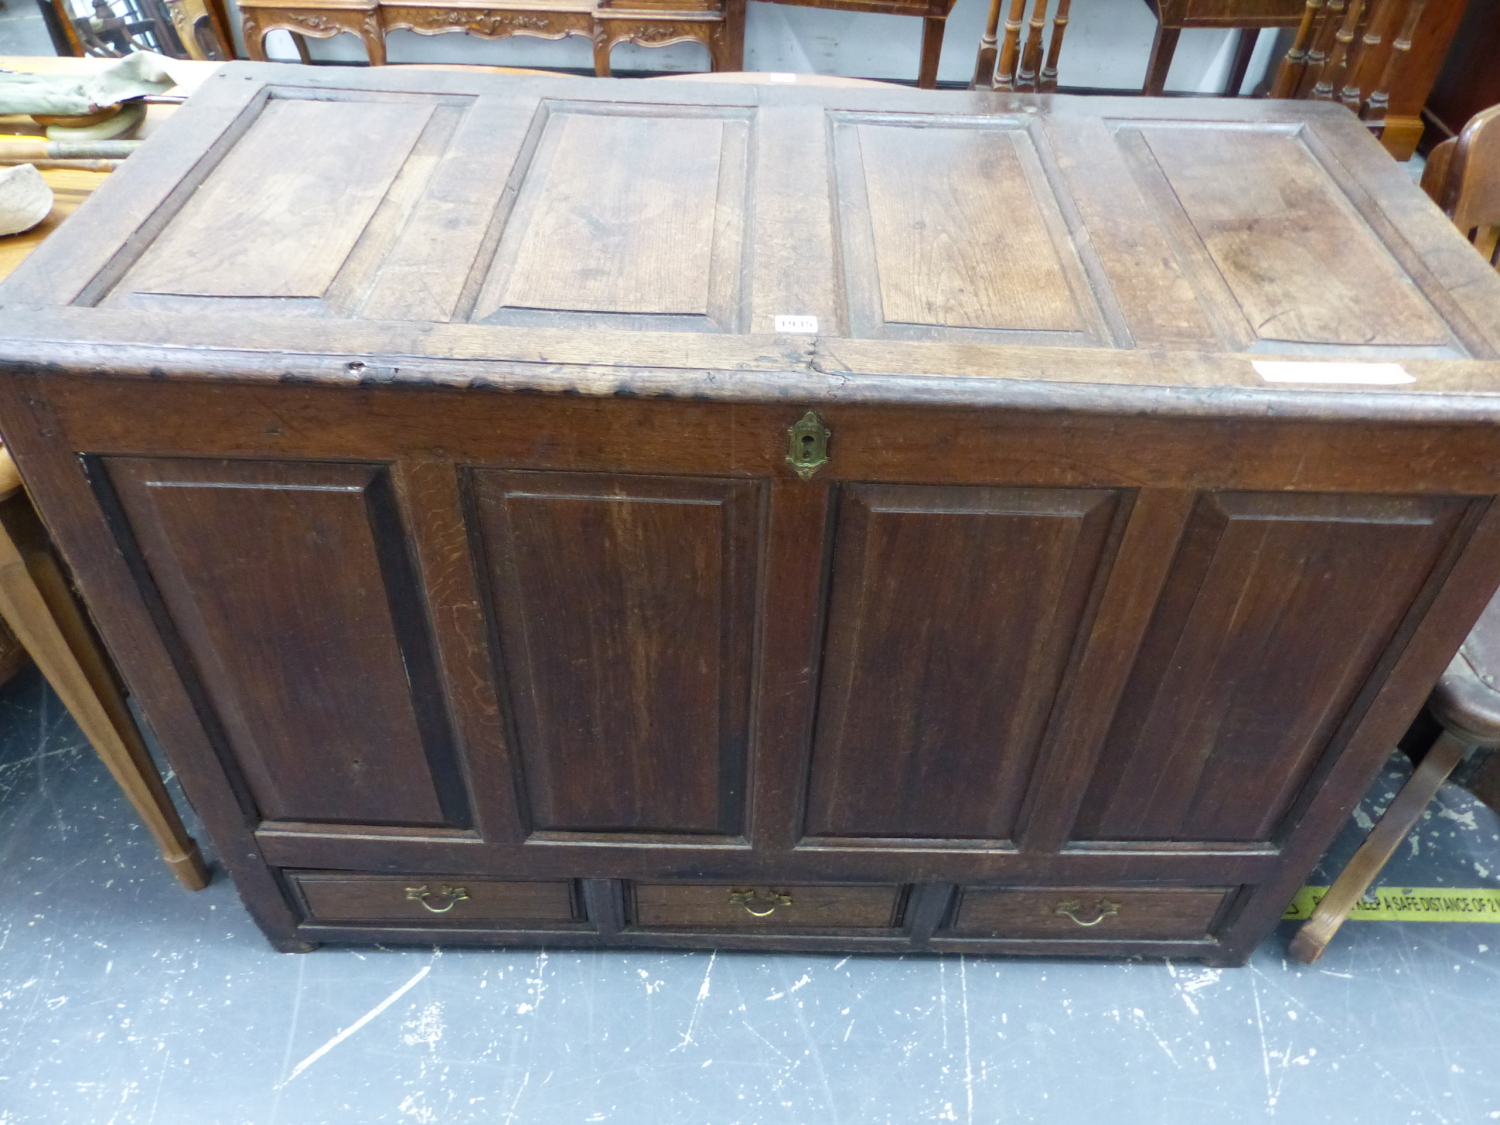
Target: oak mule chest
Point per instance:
(582, 512)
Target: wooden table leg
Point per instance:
(39, 607)
(1384, 838)
(1243, 50)
(932, 50)
(1163, 47)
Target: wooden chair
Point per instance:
(1009, 66)
(1249, 16)
(1463, 178)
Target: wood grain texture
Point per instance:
(618, 214)
(624, 607)
(1276, 612)
(953, 214)
(314, 743)
(1302, 266)
(306, 179)
(940, 675)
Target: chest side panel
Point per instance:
(1276, 612)
(288, 588)
(952, 617)
(625, 607)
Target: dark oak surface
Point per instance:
(447, 537)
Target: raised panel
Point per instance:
(625, 608)
(952, 618)
(1275, 614)
(626, 212)
(279, 215)
(952, 230)
(1301, 263)
(288, 589)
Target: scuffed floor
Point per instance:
(126, 1000)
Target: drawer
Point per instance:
(432, 900)
(782, 906)
(1088, 912)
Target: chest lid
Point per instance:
(894, 222)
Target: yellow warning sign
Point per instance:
(1409, 904)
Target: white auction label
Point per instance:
(803, 324)
(1370, 374)
(781, 78)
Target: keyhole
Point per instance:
(807, 447)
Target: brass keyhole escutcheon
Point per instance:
(807, 451)
(448, 896)
(750, 899)
(1101, 910)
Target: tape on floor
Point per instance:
(1409, 904)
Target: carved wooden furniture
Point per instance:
(1018, 68)
(1463, 177)
(1250, 16)
(718, 24)
(1379, 57)
(542, 19)
(322, 19)
(634, 515)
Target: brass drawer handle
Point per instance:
(449, 896)
(747, 899)
(1102, 909)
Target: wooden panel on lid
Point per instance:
(624, 211)
(281, 212)
(951, 227)
(1298, 258)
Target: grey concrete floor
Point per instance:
(126, 1000)
(22, 31)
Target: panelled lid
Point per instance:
(431, 207)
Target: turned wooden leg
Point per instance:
(1162, 50)
(1243, 50)
(1384, 838)
(39, 607)
(932, 49)
(255, 38)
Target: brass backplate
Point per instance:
(807, 451)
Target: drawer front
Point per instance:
(1087, 912)
(1249, 13)
(429, 900)
(783, 906)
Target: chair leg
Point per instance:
(734, 35)
(40, 610)
(1163, 47)
(932, 50)
(1243, 50)
(1384, 838)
